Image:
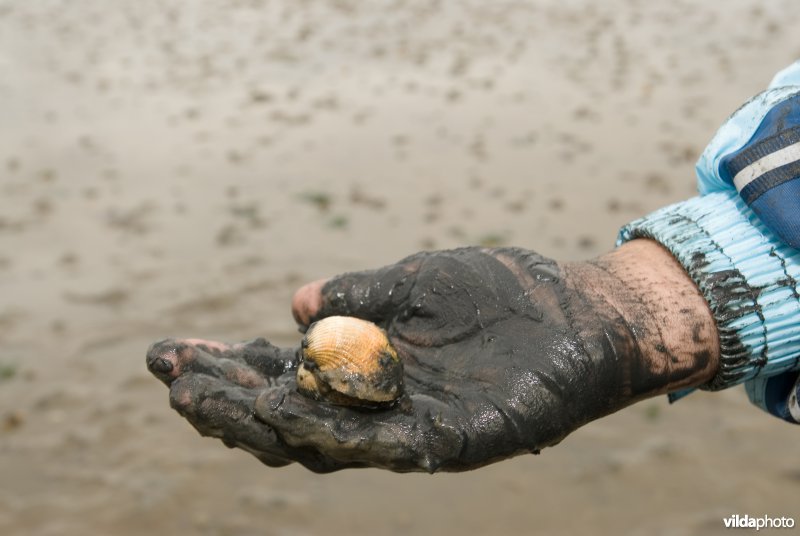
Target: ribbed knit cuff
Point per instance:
(748, 277)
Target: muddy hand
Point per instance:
(504, 353)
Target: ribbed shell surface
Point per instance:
(348, 343)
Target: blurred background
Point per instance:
(175, 168)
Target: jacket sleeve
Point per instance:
(756, 152)
(740, 242)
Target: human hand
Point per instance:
(504, 352)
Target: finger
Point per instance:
(373, 295)
(264, 357)
(223, 410)
(251, 364)
(424, 435)
(307, 302)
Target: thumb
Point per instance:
(372, 295)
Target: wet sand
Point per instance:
(169, 170)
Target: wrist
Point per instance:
(659, 325)
(748, 278)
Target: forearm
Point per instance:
(644, 301)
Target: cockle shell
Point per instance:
(349, 361)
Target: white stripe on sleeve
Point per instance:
(765, 164)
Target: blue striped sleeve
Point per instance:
(757, 153)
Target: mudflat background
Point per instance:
(175, 168)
